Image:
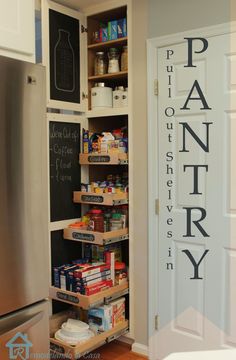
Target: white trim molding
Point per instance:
(140, 349)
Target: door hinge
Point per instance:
(156, 322)
(83, 29)
(156, 87)
(157, 206)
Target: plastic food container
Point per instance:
(101, 96)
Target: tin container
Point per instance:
(101, 96)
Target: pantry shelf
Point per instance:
(107, 112)
(100, 199)
(103, 159)
(75, 352)
(106, 44)
(97, 238)
(118, 75)
(87, 302)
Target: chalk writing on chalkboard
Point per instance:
(64, 144)
(64, 50)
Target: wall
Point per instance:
(139, 165)
(172, 16)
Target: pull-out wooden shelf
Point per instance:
(107, 112)
(86, 302)
(103, 159)
(94, 237)
(75, 352)
(100, 199)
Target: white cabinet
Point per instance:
(17, 29)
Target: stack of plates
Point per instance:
(74, 332)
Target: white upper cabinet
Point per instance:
(17, 29)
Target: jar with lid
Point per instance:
(107, 218)
(116, 222)
(125, 215)
(121, 273)
(100, 66)
(124, 59)
(101, 96)
(96, 221)
(113, 56)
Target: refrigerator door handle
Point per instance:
(25, 325)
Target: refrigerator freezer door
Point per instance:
(25, 331)
(24, 269)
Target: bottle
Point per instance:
(107, 218)
(124, 59)
(96, 222)
(64, 62)
(113, 56)
(100, 67)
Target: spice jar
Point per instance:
(107, 218)
(96, 222)
(124, 59)
(121, 273)
(100, 67)
(116, 222)
(113, 56)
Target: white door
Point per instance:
(17, 30)
(196, 303)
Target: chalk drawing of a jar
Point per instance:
(64, 63)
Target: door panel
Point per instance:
(197, 314)
(32, 323)
(17, 27)
(24, 264)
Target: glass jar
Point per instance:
(96, 222)
(100, 67)
(113, 56)
(121, 273)
(124, 59)
(107, 218)
(116, 222)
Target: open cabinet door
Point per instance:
(64, 42)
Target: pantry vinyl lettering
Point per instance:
(169, 112)
(191, 170)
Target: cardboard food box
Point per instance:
(118, 311)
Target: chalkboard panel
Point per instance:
(65, 171)
(64, 52)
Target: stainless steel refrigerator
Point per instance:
(24, 269)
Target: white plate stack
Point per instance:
(74, 332)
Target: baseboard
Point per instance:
(126, 339)
(140, 349)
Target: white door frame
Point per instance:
(153, 177)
